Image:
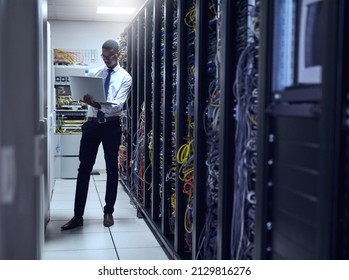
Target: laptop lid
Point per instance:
(93, 86)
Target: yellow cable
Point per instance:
(251, 119)
(145, 173)
(192, 16)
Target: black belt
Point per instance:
(107, 119)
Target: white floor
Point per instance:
(128, 239)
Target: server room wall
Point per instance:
(84, 35)
(196, 154)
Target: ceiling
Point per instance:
(85, 10)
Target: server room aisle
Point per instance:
(128, 239)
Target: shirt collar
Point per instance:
(116, 68)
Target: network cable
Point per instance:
(246, 94)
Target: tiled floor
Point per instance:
(129, 238)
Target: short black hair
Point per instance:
(111, 44)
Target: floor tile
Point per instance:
(61, 215)
(132, 224)
(130, 234)
(90, 226)
(64, 183)
(142, 254)
(101, 177)
(64, 189)
(134, 239)
(64, 196)
(69, 187)
(97, 254)
(66, 214)
(123, 203)
(78, 241)
(124, 213)
(59, 197)
(90, 203)
(56, 205)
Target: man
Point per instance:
(103, 125)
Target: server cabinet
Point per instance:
(185, 67)
(341, 249)
(227, 126)
(22, 142)
(238, 127)
(148, 93)
(300, 194)
(184, 126)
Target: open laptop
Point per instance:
(93, 86)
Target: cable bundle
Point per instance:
(137, 183)
(208, 237)
(171, 174)
(162, 91)
(185, 157)
(246, 93)
(185, 154)
(123, 49)
(122, 157)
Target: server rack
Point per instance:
(134, 100)
(177, 61)
(123, 151)
(301, 212)
(182, 76)
(297, 194)
(200, 96)
(185, 119)
(148, 100)
(155, 206)
(21, 146)
(167, 95)
(227, 128)
(341, 234)
(126, 140)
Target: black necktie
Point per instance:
(107, 82)
(100, 114)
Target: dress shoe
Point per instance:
(108, 220)
(73, 223)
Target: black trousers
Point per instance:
(93, 133)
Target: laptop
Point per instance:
(93, 86)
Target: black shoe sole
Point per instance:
(75, 226)
(68, 226)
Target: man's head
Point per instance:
(110, 53)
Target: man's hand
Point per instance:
(89, 100)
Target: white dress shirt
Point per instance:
(119, 88)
